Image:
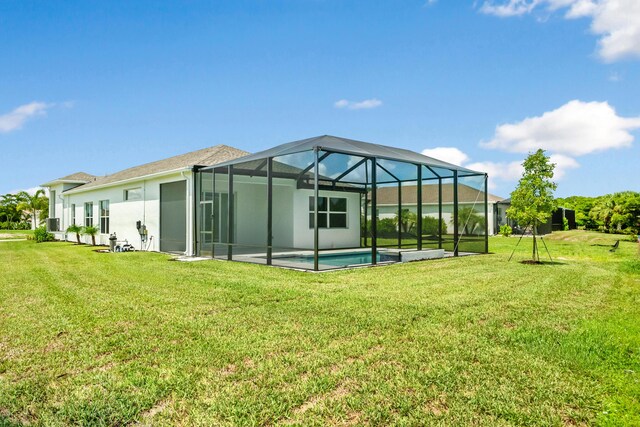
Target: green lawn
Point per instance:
(111, 339)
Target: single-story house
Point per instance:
(554, 223)
(301, 204)
(159, 195)
(435, 204)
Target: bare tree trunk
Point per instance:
(78, 237)
(536, 253)
(93, 240)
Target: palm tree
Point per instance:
(90, 230)
(32, 204)
(469, 220)
(75, 229)
(603, 211)
(409, 220)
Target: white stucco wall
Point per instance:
(290, 216)
(124, 214)
(329, 238)
(290, 213)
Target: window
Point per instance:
(332, 212)
(88, 214)
(52, 204)
(133, 194)
(104, 216)
(73, 214)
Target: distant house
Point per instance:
(282, 206)
(555, 222)
(468, 197)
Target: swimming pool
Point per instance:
(342, 259)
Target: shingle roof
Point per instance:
(204, 157)
(466, 194)
(78, 176)
(74, 178)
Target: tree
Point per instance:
(409, 220)
(470, 221)
(33, 204)
(9, 212)
(532, 201)
(74, 228)
(90, 230)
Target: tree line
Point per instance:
(611, 213)
(23, 211)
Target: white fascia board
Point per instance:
(124, 181)
(63, 181)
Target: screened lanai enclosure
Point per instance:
(327, 202)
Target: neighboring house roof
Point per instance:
(204, 157)
(359, 148)
(466, 194)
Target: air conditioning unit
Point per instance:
(53, 224)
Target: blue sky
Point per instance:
(101, 86)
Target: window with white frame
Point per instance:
(332, 212)
(88, 214)
(52, 204)
(73, 214)
(104, 216)
(131, 194)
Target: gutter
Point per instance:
(124, 181)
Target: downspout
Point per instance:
(189, 196)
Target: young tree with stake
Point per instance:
(532, 201)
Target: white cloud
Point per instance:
(498, 171)
(577, 128)
(358, 105)
(16, 118)
(615, 77)
(616, 22)
(510, 8)
(563, 164)
(447, 154)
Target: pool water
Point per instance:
(342, 259)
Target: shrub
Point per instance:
(74, 228)
(565, 224)
(506, 230)
(42, 235)
(430, 226)
(90, 230)
(387, 227)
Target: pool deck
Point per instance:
(279, 259)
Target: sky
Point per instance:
(99, 86)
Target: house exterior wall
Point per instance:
(123, 214)
(290, 223)
(329, 238)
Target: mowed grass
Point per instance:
(115, 339)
